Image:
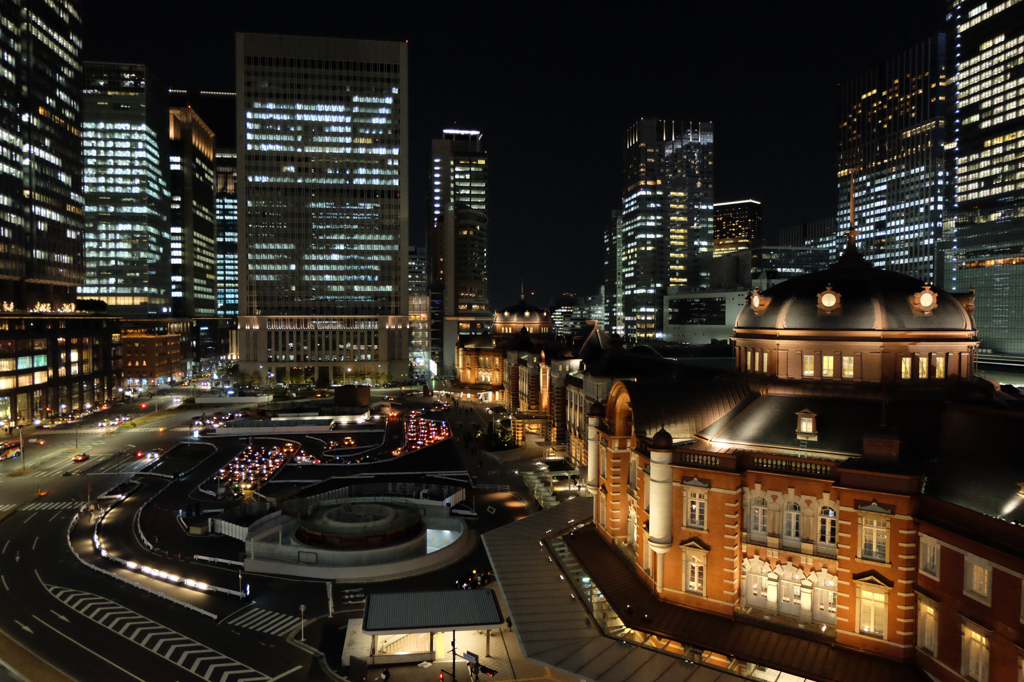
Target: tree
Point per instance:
(298, 376)
(256, 378)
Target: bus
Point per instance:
(9, 450)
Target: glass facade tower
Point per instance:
(193, 221)
(983, 239)
(125, 145)
(737, 226)
(227, 234)
(667, 217)
(892, 135)
(322, 142)
(40, 155)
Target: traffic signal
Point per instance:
(143, 405)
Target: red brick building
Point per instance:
(850, 493)
(151, 359)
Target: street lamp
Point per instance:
(302, 622)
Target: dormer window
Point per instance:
(806, 425)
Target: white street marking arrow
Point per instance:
(25, 627)
(59, 616)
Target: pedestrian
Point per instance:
(385, 675)
(508, 622)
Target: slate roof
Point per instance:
(871, 299)
(438, 610)
(682, 409)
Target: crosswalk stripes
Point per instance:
(267, 622)
(183, 651)
(38, 506)
(5, 507)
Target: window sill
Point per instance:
(980, 598)
(874, 562)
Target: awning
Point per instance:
(443, 611)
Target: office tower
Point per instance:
(193, 215)
(125, 144)
(667, 216)
(457, 240)
(613, 274)
(419, 311)
(822, 233)
(227, 234)
(984, 232)
(892, 133)
(40, 155)
(322, 141)
(737, 226)
(459, 171)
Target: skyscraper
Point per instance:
(322, 140)
(419, 311)
(457, 240)
(984, 233)
(193, 215)
(227, 234)
(613, 274)
(40, 154)
(667, 216)
(892, 133)
(125, 144)
(737, 226)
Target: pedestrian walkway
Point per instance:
(267, 622)
(36, 506)
(5, 507)
(184, 652)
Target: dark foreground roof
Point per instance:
(443, 610)
(816, 659)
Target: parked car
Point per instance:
(80, 458)
(475, 578)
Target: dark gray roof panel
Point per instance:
(444, 610)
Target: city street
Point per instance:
(78, 619)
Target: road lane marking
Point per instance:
(34, 542)
(54, 516)
(88, 649)
(285, 674)
(3, 578)
(5, 547)
(158, 639)
(30, 517)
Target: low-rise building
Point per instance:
(150, 360)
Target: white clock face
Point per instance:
(828, 300)
(927, 299)
(756, 301)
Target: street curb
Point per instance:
(25, 665)
(315, 653)
(4, 515)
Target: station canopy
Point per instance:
(438, 611)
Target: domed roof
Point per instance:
(662, 440)
(522, 312)
(852, 295)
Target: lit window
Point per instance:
(871, 619)
(695, 561)
(808, 365)
(905, 368)
(874, 536)
(826, 365)
(977, 579)
(974, 655)
(940, 367)
(927, 627)
(847, 366)
(757, 362)
(749, 363)
(922, 367)
(930, 556)
(696, 508)
(806, 424)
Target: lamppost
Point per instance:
(21, 437)
(302, 622)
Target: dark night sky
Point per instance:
(553, 90)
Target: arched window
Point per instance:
(791, 524)
(758, 516)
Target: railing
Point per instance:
(794, 465)
(697, 459)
